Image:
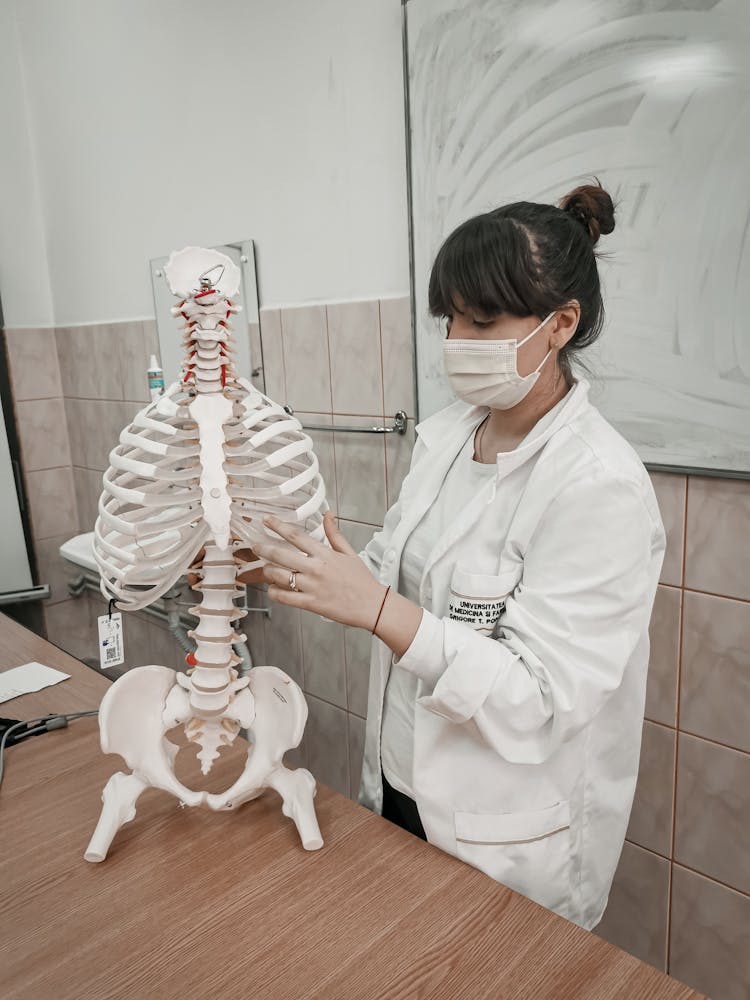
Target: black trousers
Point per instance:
(401, 810)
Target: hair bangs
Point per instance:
(484, 261)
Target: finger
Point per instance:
(291, 597)
(279, 575)
(295, 535)
(283, 555)
(335, 536)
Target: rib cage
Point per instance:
(153, 510)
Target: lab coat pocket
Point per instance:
(527, 851)
(478, 599)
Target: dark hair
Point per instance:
(529, 259)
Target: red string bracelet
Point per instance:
(381, 609)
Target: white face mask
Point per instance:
(485, 372)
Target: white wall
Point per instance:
(24, 279)
(158, 123)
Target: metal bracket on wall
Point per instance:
(38, 593)
(398, 428)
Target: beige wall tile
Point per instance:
(256, 356)
(77, 419)
(717, 557)
(52, 503)
(151, 345)
(327, 740)
(356, 369)
(32, 359)
(323, 448)
(715, 680)
(713, 811)
(357, 646)
(68, 627)
(670, 494)
(398, 452)
(664, 631)
(88, 489)
(297, 756)
(651, 817)
(43, 433)
(636, 915)
(283, 640)
(273, 356)
(253, 627)
(358, 533)
(306, 359)
(132, 353)
(89, 362)
(323, 658)
(53, 569)
(360, 471)
(710, 937)
(398, 356)
(138, 639)
(94, 427)
(164, 648)
(356, 753)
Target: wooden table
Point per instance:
(196, 905)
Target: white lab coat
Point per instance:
(527, 740)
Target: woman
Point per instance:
(511, 586)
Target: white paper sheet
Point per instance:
(27, 678)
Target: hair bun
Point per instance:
(592, 206)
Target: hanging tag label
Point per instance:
(111, 644)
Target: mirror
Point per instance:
(248, 358)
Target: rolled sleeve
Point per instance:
(424, 657)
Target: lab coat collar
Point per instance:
(446, 432)
(459, 418)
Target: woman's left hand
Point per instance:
(333, 582)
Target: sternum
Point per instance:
(211, 411)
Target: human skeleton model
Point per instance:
(197, 469)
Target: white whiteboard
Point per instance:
(514, 100)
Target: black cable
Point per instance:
(49, 722)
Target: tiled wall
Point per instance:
(327, 363)
(47, 466)
(74, 389)
(681, 898)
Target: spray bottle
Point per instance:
(155, 378)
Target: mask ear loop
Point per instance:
(530, 335)
(520, 343)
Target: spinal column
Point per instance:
(208, 368)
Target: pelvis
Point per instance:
(146, 702)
